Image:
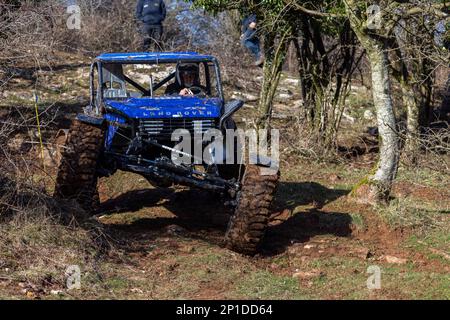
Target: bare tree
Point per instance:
(377, 186)
(374, 26)
(417, 57)
(328, 54)
(275, 49)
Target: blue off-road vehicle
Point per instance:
(138, 101)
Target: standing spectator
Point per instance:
(250, 38)
(151, 13)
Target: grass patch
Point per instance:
(434, 244)
(121, 182)
(117, 283)
(358, 221)
(422, 176)
(346, 278)
(265, 285)
(407, 213)
(36, 249)
(407, 283)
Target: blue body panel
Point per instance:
(112, 120)
(166, 107)
(153, 57)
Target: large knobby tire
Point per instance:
(77, 173)
(247, 226)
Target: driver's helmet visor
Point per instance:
(188, 74)
(189, 77)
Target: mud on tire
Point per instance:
(77, 177)
(248, 224)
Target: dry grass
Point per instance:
(37, 245)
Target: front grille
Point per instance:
(165, 127)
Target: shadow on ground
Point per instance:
(53, 116)
(293, 194)
(302, 226)
(30, 74)
(298, 215)
(203, 215)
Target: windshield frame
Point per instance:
(99, 67)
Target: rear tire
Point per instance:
(77, 172)
(247, 226)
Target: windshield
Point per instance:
(122, 81)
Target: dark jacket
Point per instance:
(249, 34)
(175, 88)
(151, 12)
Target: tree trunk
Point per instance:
(412, 121)
(275, 54)
(426, 93)
(381, 181)
(313, 62)
(377, 186)
(302, 52)
(445, 106)
(410, 100)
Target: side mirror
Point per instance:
(230, 108)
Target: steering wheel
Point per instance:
(198, 91)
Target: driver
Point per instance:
(187, 81)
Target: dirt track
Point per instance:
(168, 242)
(168, 231)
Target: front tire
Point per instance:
(247, 226)
(77, 172)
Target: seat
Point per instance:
(113, 81)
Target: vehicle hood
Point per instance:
(167, 107)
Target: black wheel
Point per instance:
(248, 224)
(77, 172)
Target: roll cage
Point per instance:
(97, 76)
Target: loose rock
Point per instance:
(395, 260)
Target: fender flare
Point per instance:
(230, 108)
(92, 120)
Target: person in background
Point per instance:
(151, 14)
(250, 38)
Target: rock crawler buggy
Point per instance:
(128, 126)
